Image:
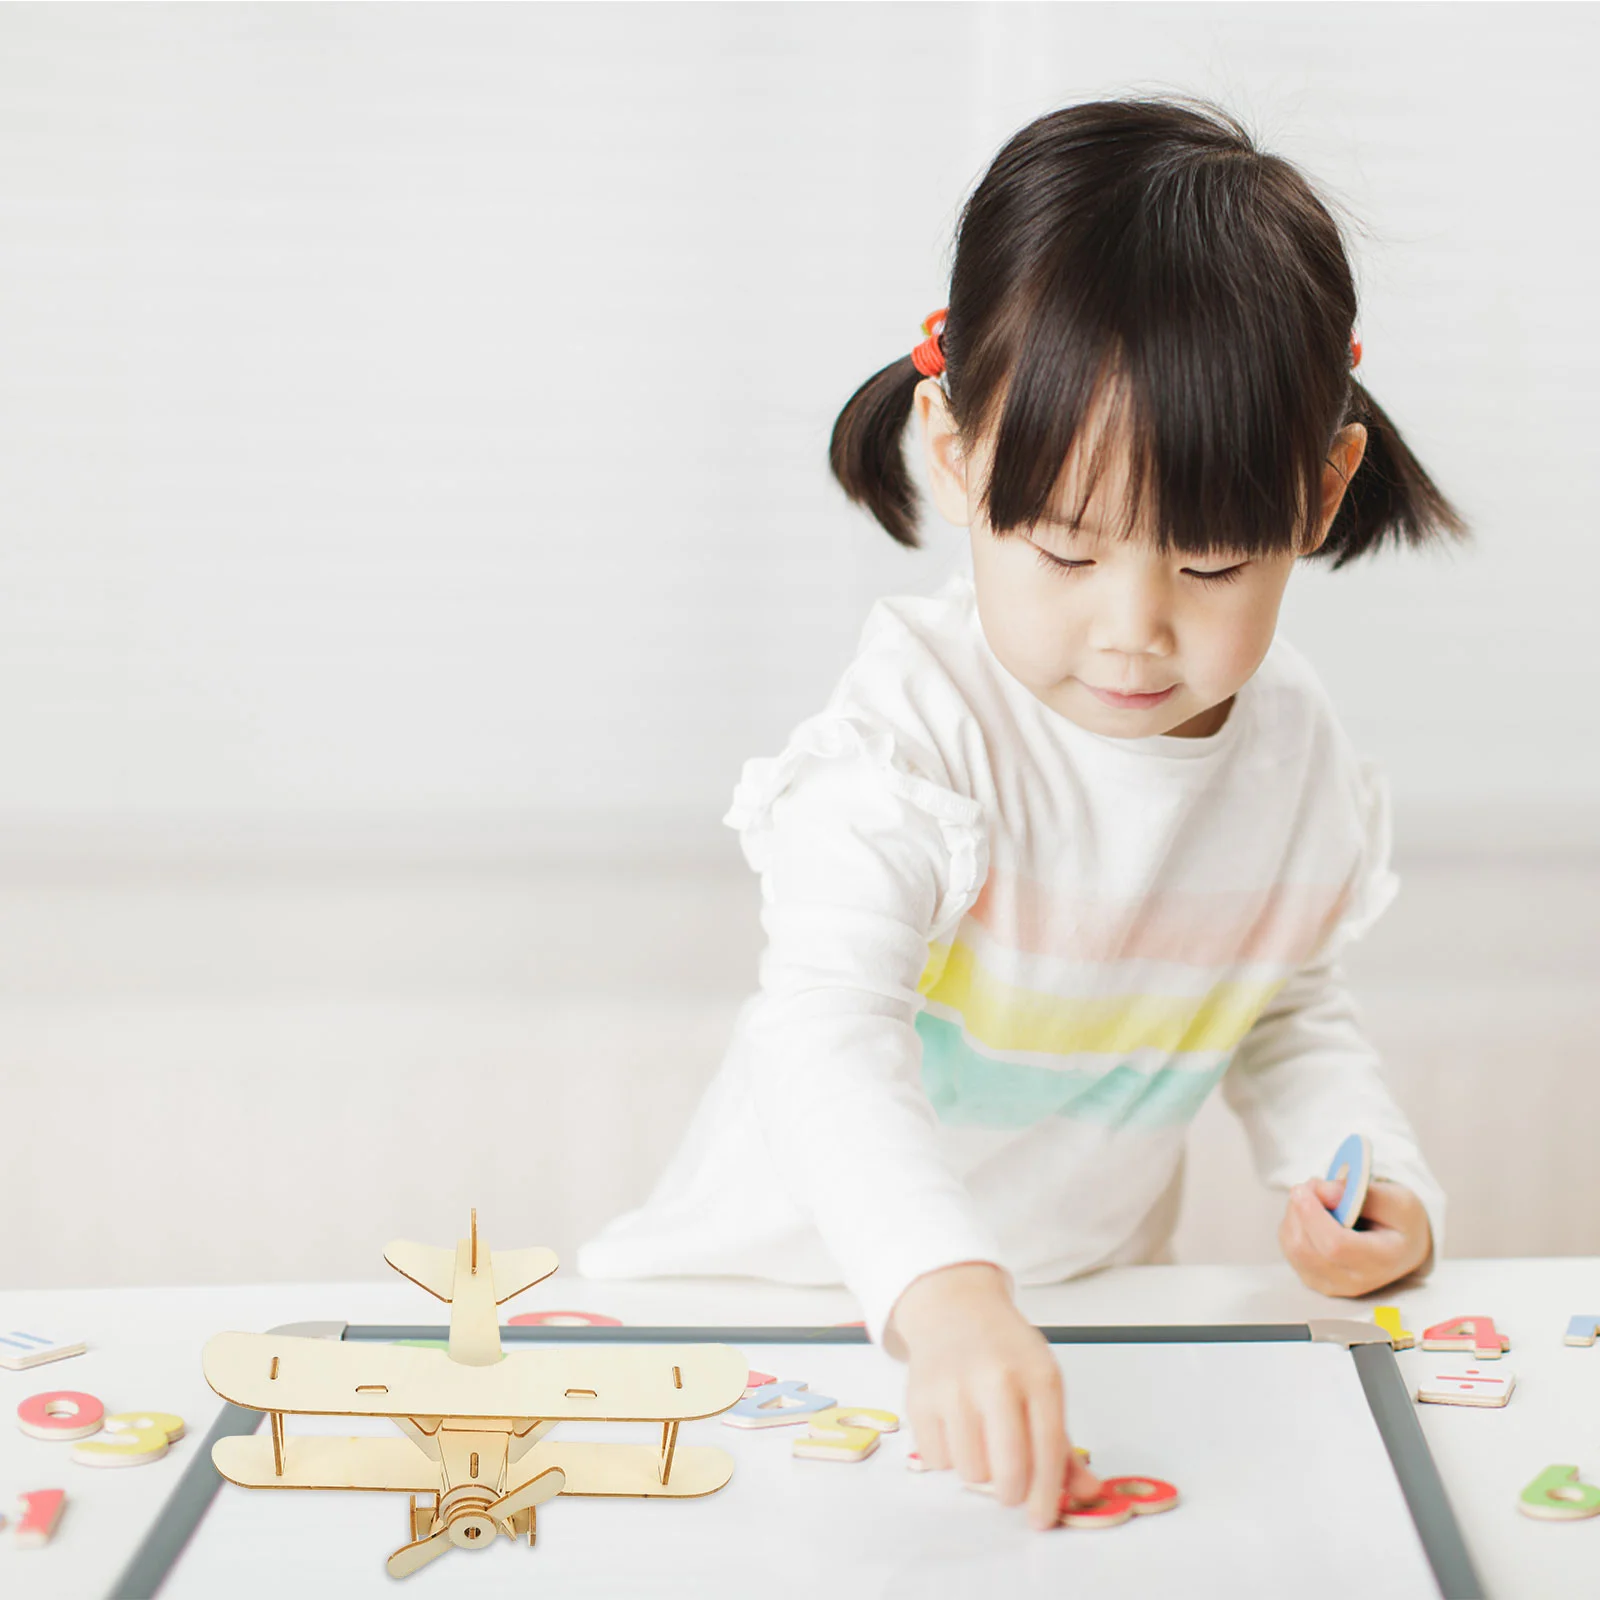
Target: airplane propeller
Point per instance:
(409, 1557)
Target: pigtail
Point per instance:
(867, 450)
(1391, 498)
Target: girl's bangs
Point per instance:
(1207, 404)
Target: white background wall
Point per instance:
(412, 418)
(413, 510)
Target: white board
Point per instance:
(1286, 1485)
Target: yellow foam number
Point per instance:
(845, 1433)
(1388, 1318)
(130, 1439)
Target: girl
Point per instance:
(1076, 838)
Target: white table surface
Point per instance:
(144, 1348)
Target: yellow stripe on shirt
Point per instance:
(1002, 1016)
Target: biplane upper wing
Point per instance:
(619, 1383)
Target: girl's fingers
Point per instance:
(1335, 1260)
(1081, 1483)
(963, 1431)
(1052, 1454)
(1390, 1205)
(1323, 1236)
(1007, 1446)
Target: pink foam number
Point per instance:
(1147, 1494)
(757, 1380)
(1120, 1499)
(41, 1511)
(60, 1414)
(1477, 1334)
(1104, 1511)
(563, 1319)
(1471, 1386)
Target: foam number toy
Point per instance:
(1104, 1511)
(1351, 1165)
(60, 1414)
(41, 1511)
(1477, 1334)
(755, 1380)
(1119, 1500)
(1557, 1495)
(563, 1319)
(130, 1439)
(845, 1433)
(19, 1351)
(1471, 1386)
(777, 1405)
(1582, 1330)
(1147, 1494)
(1388, 1318)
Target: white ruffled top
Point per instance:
(1007, 959)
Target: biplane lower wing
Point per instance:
(591, 1467)
(312, 1461)
(598, 1467)
(577, 1383)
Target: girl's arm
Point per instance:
(862, 864)
(1305, 1076)
(859, 864)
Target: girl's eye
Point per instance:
(1056, 562)
(1221, 575)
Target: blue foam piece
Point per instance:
(1356, 1155)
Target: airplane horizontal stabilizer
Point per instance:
(516, 1270)
(425, 1265)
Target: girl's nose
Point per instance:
(1133, 620)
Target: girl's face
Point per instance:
(1121, 639)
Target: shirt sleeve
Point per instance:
(1306, 1076)
(862, 862)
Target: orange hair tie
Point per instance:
(1355, 352)
(928, 357)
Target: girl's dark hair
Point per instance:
(1147, 250)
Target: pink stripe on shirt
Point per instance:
(1284, 923)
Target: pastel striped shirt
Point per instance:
(1008, 959)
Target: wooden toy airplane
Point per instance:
(474, 1419)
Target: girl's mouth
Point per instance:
(1130, 702)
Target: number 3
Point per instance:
(130, 1438)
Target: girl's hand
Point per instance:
(984, 1392)
(1342, 1261)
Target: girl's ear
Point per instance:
(1349, 445)
(947, 464)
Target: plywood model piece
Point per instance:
(474, 1419)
